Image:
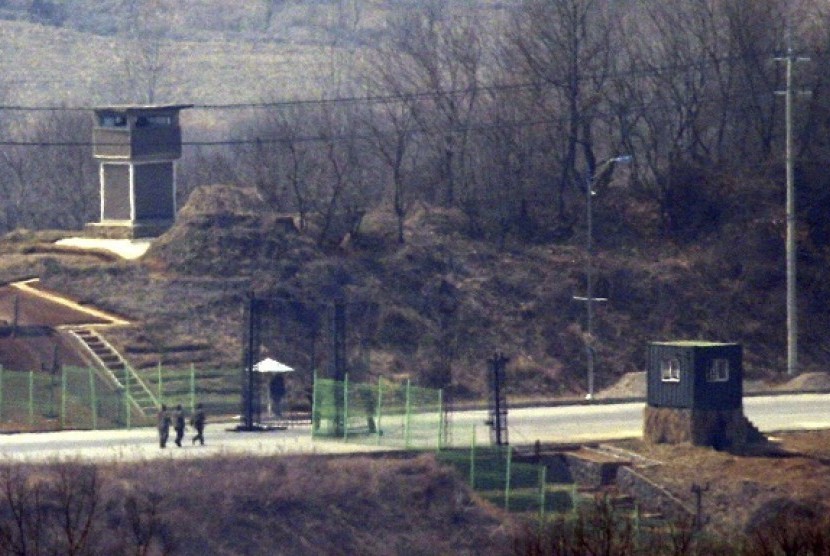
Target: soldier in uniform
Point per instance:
(178, 424)
(198, 423)
(277, 391)
(163, 425)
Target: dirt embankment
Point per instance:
(738, 489)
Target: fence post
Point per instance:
(127, 412)
(574, 495)
(160, 385)
(543, 489)
(473, 459)
(440, 418)
(314, 422)
(379, 409)
(93, 399)
(509, 457)
(406, 417)
(63, 397)
(636, 524)
(345, 415)
(31, 398)
(192, 388)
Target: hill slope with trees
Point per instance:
(435, 161)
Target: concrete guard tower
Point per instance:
(136, 148)
(695, 395)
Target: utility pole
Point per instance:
(602, 175)
(792, 311)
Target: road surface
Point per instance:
(548, 424)
(614, 421)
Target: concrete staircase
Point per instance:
(115, 369)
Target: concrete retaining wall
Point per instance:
(592, 473)
(651, 496)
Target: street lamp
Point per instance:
(601, 176)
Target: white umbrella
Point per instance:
(268, 365)
(271, 366)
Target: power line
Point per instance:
(327, 138)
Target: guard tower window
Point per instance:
(154, 121)
(719, 371)
(113, 120)
(670, 370)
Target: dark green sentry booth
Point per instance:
(695, 395)
(695, 375)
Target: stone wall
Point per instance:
(721, 429)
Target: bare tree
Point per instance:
(695, 98)
(341, 188)
(47, 176)
(149, 56)
(392, 126)
(284, 160)
(566, 46)
(63, 176)
(13, 186)
(430, 49)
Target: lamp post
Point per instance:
(601, 176)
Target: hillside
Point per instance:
(213, 51)
(688, 238)
(440, 301)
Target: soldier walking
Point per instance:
(198, 423)
(178, 424)
(163, 425)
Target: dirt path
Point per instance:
(37, 344)
(40, 307)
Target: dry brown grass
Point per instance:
(796, 466)
(292, 505)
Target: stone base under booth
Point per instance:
(721, 429)
(127, 229)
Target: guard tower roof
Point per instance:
(127, 108)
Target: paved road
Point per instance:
(605, 422)
(548, 424)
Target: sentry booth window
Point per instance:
(670, 370)
(719, 371)
(154, 121)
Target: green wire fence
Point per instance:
(517, 486)
(79, 398)
(69, 398)
(397, 414)
(386, 413)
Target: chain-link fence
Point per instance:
(517, 486)
(79, 398)
(387, 413)
(71, 397)
(216, 389)
(397, 414)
